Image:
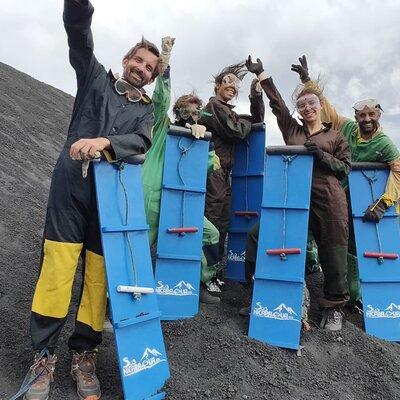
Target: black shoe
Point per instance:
(207, 298)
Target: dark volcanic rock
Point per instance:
(210, 355)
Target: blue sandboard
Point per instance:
(139, 341)
(247, 181)
(179, 251)
(380, 276)
(276, 308)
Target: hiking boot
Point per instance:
(206, 297)
(331, 320)
(43, 370)
(83, 371)
(245, 311)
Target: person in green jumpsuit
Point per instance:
(186, 111)
(367, 143)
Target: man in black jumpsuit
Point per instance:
(102, 119)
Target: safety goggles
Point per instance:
(370, 103)
(195, 113)
(123, 87)
(311, 101)
(232, 80)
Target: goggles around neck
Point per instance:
(132, 93)
(370, 103)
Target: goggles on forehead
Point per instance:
(123, 87)
(370, 103)
(233, 80)
(186, 113)
(312, 102)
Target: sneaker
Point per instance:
(43, 370)
(83, 371)
(245, 311)
(207, 298)
(331, 320)
(213, 287)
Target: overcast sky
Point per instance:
(353, 45)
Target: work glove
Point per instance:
(375, 211)
(166, 47)
(302, 69)
(256, 68)
(198, 131)
(255, 88)
(315, 150)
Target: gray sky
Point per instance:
(353, 45)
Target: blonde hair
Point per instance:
(310, 87)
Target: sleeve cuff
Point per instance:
(262, 76)
(387, 200)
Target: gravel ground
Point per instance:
(210, 355)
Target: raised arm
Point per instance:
(77, 21)
(257, 106)
(162, 93)
(161, 99)
(328, 112)
(277, 104)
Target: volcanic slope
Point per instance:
(210, 356)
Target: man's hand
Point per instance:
(198, 131)
(255, 88)
(85, 149)
(256, 68)
(166, 47)
(315, 150)
(375, 211)
(302, 69)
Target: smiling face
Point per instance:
(228, 88)
(309, 107)
(140, 67)
(367, 119)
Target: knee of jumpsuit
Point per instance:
(210, 256)
(334, 266)
(251, 252)
(53, 289)
(92, 306)
(252, 243)
(353, 278)
(210, 241)
(152, 205)
(217, 191)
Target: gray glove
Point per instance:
(302, 69)
(256, 68)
